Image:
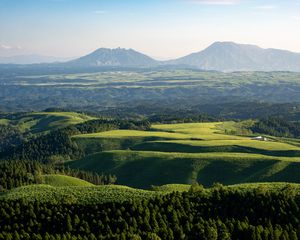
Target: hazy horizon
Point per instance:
(161, 29)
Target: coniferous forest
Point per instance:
(196, 214)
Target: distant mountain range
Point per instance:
(220, 56)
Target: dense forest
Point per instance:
(197, 214)
(277, 127)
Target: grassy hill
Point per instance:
(57, 180)
(38, 122)
(77, 194)
(184, 153)
(115, 193)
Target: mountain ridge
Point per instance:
(230, 56)
(219, 56)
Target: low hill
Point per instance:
(77, 194)
(37, 122)
(230, 56)
(113, 57)
(112, 193)
(185, 153)
(57, 180)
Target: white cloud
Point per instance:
(8, 47)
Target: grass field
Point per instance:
(115, 193)
(185, 153)
(39, 122)
(57, 180)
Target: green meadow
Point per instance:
(187, 153)
(42, 122)
(57, 180)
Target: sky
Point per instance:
(162, 29)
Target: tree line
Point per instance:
(19, 173)
(278, 127)
(57, 146)
(221, 214)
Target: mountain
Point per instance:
(114, 57)
(220, 56)
(230, 56)
(30, 59)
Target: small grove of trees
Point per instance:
(19, 173)
(10, 136)
(182, 117)
(92, 177)
(277, 127)
(57, 146)
(222, 214)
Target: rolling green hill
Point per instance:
(38, 122)
(77, 194)
(115, 193)
(185, 153)
(57, 180)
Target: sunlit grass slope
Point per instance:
(38, 122)
(143, 169)
(189, 152)
(57, 180)
(75, 194)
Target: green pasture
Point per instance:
(57, 180)
(38, 122)
(187, 153)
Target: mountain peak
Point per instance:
(114, 57)
(232, 44)
(223, 43)
(231, 56)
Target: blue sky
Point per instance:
(159, 28)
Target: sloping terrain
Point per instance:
(77, 194)
(185, 153)
(230, 56)
(38, 122)
(113, 57)
(57, 180)
(115, 193)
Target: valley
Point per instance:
(110, 90)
